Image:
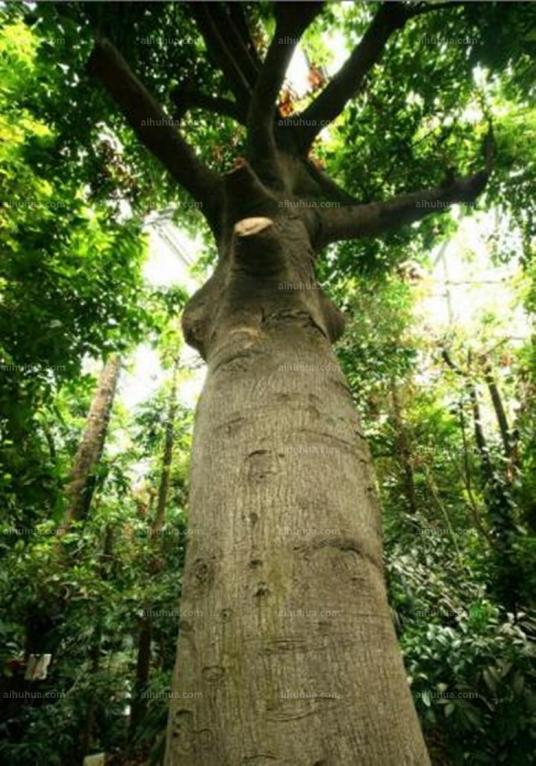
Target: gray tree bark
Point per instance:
(287, 653)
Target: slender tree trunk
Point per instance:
(497, 496)
(43, 620)
(88, 729)
(440, 506)
(79, 491)
(143, 665)
(163, 489)
(465, 472)
(404, 450)
(480, 439)
(143, 660)
(86, 734)
(500, 412)
(290, 656)
(81, 482)
(500, 505)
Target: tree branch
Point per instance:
(246, 196)
(327, 185)
(292, 19)
(241, 41)
(153, 127)
(239, 20)
(348, 81)
(185, 98)
(216, 31)
(352, 222)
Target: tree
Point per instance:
(82, 479)
(42, 621)
(499, 500)
(143, 660)
(265, 612)
(79, 492)
(283, 512)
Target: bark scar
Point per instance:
(247, 227)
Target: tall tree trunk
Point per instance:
(290, 655)
(271, 216)
(82, 480)
(143, 659)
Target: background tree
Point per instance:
(82, 478)
(143, 662)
